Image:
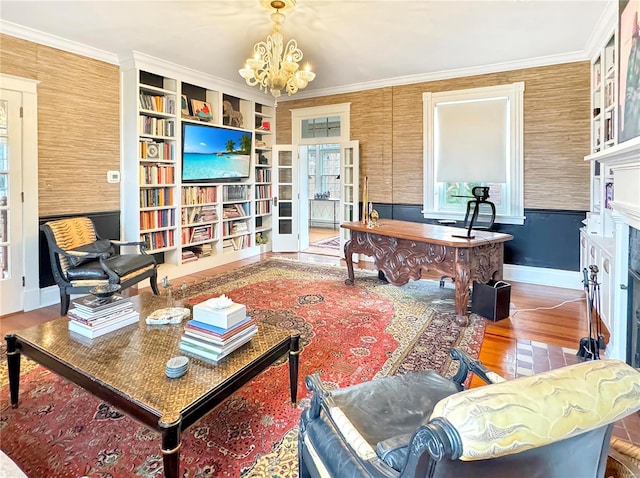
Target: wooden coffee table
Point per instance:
(127, 369)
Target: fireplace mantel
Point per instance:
(624, 160)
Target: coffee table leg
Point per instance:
(13, 365)
(294, 352)
(171, 448)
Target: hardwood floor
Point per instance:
(539, 315)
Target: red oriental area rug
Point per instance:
(349, 334)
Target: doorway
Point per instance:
(323, 191)
(19, 286)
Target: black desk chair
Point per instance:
(480, 216)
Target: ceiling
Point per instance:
(350, 44)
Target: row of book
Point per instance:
(230, 211)
(93, 316)
(156, 174)
(198, 214)
(194, 195)
(213, 334)
(156, 126)
(162, 104)
(156, 197)
(156, 219)
(158, 240)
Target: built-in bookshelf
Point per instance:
(151, 131)
(236, 215)
(264, 122)
(604, 94)
(199, 221)
(202, 224)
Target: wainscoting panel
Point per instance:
(547, 239)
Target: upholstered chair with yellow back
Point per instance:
(81, 260)
(555, 424)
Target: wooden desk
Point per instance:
(402, 250)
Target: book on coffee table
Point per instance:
(97, 329)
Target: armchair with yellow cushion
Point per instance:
(81, 260)
(555, 424)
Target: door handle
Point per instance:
(275, 201)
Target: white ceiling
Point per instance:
(347, 42)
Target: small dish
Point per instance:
(104, 291)
(168, 315)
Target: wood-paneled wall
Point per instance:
(78, 125)
(388, 124)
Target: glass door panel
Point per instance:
(11, 254)
(286, 203)
(350, 174)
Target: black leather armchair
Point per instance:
(81, 260)
(556, 424)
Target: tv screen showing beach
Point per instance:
(214, 153)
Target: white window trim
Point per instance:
(515, 174)
(343, 110)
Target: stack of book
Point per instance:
(94, 316)
(213, 334)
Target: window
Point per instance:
(324, 170)
(321, 127)
(474, 138)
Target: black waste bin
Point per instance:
(491, 300)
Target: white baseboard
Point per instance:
(543, 276)
(49, 296)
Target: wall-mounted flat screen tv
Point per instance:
(215, 153)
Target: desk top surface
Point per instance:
(431, 233)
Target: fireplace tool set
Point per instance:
(590, 347)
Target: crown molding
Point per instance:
(607, 24)
(444, 75)
(53, 41)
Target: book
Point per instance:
(218, 345)
(218, 332)
(223, 318)
(90, 315)
(93, 304)
(83, 317)
(98, 324)
(93, 332)
(199, 352)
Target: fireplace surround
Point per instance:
(623, 160)
(633, 313)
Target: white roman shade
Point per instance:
(471, 140)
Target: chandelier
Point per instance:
(275, 67)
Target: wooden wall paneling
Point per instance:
(556, 137)
(407, 145)
(78, 126)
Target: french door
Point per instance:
(11, 227)
(291, 214)
(286, 199)
(349, 189)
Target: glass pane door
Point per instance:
(349, 182)
(286, 200)
(11, 243)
